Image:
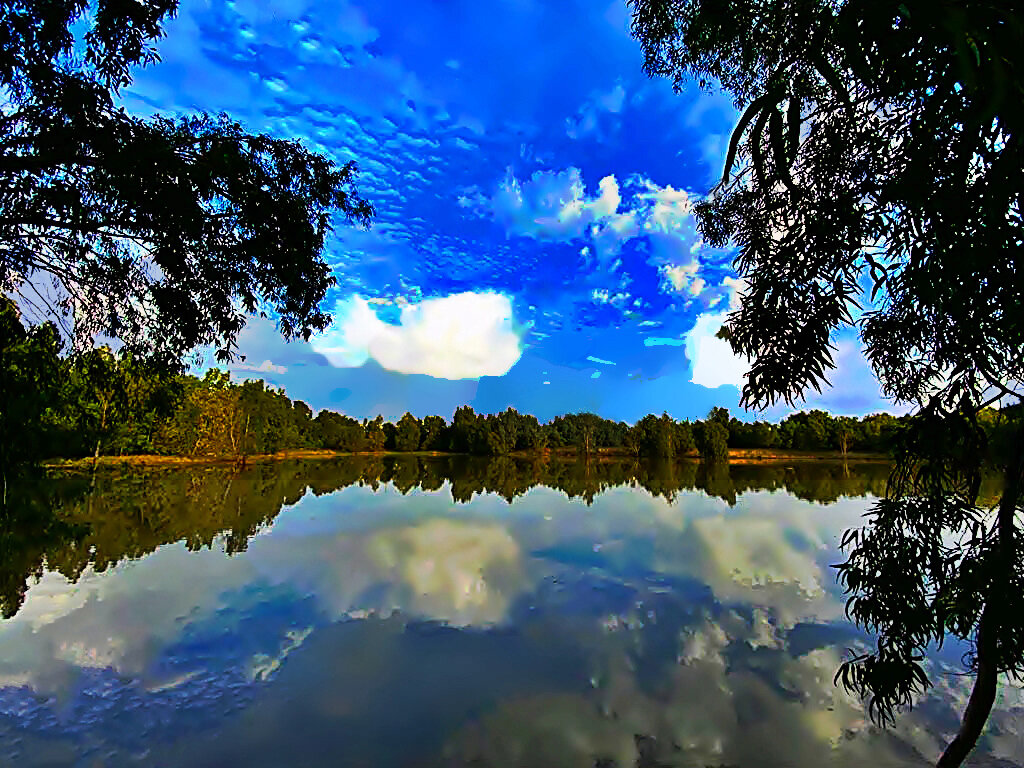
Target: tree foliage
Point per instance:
(101, 402)
(29, 366)
(879, 149)
(714, 442)
(164, 233)
(880, 138)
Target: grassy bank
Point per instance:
(736, 456)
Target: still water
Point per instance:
(448, 612)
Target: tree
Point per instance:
(808, 430)
(302, 419)
(433, 434)
(719, 415)
(714, 444)
(880, 145)
(682, 440)
(843, 430)
(29, 366)
(98, 380)
(634, 441)
(375, 435)
(164, 233)
(218, 426)
(465, 431)
(341, 433)
(407, 437)
(536, 438)
(586, 432)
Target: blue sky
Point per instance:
(534, 244)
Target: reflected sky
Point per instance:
(387, 625)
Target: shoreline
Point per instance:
(736, 456)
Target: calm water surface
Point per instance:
(424, 612)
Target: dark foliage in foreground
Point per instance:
(163, 233)
(881, 142)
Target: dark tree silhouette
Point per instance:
(713, 442)
(29, 367)
(880, 145)
(163, 233)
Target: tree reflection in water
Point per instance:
(130, 513)
(666, 631)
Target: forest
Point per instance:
(104, 403)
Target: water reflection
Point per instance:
(404, 612)
(131, 513)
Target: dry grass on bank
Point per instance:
(736, 456)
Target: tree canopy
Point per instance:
(97, 402)
(879, 149)
(163, 233)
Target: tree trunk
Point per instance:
(99, 440)
(979, 706)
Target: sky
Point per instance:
(534, 244)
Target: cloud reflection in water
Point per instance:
(381, 624)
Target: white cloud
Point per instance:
(463, 336)
(680, 277)
(265, 367)
(671, 209)
(736, 286)
(552, 205)
(712, 359)
(661, 341)
(603, 296)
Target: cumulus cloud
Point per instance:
(463, 336)
(553, 205)
(711, 358)
(680, 277)
(603, 296)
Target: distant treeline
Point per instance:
(99, 402)
(108, 404)
(112, 405)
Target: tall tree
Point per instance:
(101, 389)
(407, 436)
(29, 372)
(880, 145)
(432, 434)
(714, 442)
(164, 233)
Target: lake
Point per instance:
(413, 611)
